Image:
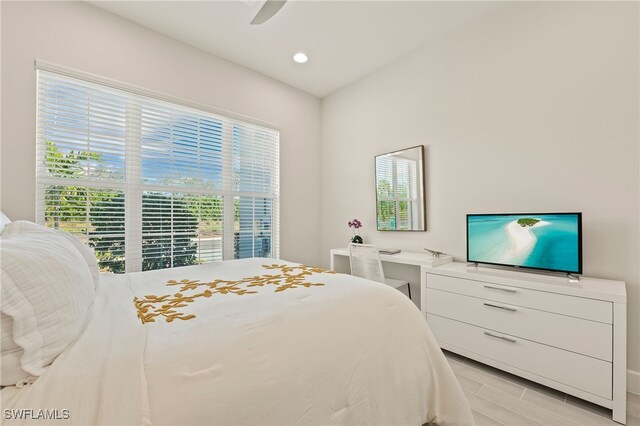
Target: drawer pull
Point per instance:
(500, 337)
(509, 290)
(506, 308)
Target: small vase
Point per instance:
(357, 239)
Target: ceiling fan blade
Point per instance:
(268, 9)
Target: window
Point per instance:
(397, 193)
(149, 183)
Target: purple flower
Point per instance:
(355, 223)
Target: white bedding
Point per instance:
(350, 351)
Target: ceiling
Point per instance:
(345, 40)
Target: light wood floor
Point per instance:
(500, 398)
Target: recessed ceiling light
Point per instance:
(300, 58)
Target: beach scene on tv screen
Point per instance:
(536, 241)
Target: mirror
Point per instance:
(400, 204)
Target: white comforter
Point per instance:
(350, 351)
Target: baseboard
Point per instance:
(633, 381)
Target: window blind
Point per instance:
(153, 184)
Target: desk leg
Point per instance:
(423, 292)
(332, 262)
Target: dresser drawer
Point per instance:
(574, 334)
(595, 310)
(578, 371)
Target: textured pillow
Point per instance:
(46, 291)
(4, 220)
(12, 372)
(87, 254)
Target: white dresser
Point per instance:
(570, 336)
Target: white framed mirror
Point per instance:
(400, 194)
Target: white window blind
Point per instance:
(153, 184)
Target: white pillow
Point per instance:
(4, 221)
(46, 290)
(12, 372)
(87, 254)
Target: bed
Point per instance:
(254, 341)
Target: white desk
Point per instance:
(406, 265)
(414, 258)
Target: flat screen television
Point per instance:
(546, 241)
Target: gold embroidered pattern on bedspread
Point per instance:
(169, 306)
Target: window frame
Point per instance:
(133, 185)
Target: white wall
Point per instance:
(80, 36)
(534, 108)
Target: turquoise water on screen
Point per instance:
(555, 244)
